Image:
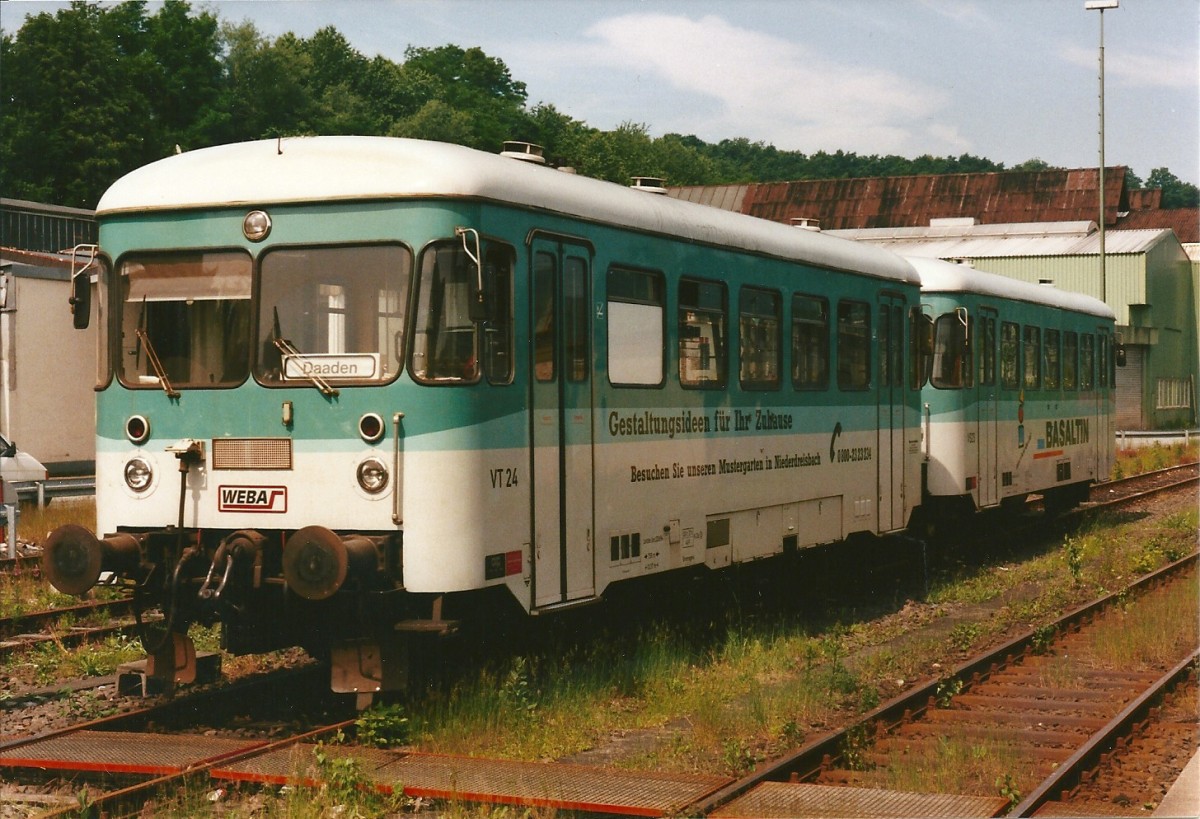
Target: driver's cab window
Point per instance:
(332, 313)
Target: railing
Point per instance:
(44, 228)
(42, 492)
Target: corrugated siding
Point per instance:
(1126, 276)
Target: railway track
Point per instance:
(1005, 696)
(1002, 691)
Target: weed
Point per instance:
(1043, 638)
(947, 690)
(383, 726)
(1006, 785)
(516, 693)
(1073, 553)
(855, 744)
(737, 757)
(964, 635)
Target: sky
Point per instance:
(1008, 80)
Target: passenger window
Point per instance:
(575, 315)
(1010, 344)
(810, 342)
(987, 353)
(854, 345)
(1053, 361)
(635, 327)
(1033, 357)
(758, 336)
(952, 362)
(545, 281)
(336, 313)
(1070, 360)
(1105, 352)
(703, 322)
(1087, 361)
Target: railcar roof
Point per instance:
(332, 168)
(939, 276)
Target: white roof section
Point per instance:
(938, 276)
(332, 168)
(945, 241)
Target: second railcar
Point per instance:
(1017, 392)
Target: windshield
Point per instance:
(185, 320)
(331, 315)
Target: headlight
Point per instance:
(138, 474)
(372, 476)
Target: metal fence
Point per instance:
(43, 228)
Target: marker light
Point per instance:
(256, 225)
(370, 427)
(138, 474)
(137, 429)
(372, 476)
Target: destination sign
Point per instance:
(331, 366)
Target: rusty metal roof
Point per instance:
(1184, 221)
(908, 201)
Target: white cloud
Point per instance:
(764, 87)
(1164, 69)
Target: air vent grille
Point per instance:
(252, 453)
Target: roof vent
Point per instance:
(525, 151)
(807, 223)
(649, 184)
(954, 221)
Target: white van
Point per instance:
(17, 466)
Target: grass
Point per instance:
(1139, 460)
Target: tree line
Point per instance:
(92, 92)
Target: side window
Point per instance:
(444, 342)
(703, 334)
(952, 363)
(1032, 349)
(987, 355)
(1010, 347)
(498, 263)
(810, 342)
(575, 316)
(1051, 374)
(1104, 350)
(635, 327)
(758, 336)
(853, 345)
(1070, 360)
(920, 348)
(1087, 361)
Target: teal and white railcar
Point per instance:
(350, 387)
(1018, 392)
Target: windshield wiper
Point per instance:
(288, 349)
(160, 371)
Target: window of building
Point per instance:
(635, 327)
(703, 334)
(810, 342)
(854, 345)
(759, 323)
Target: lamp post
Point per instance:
(1102, 6)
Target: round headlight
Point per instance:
(372, 476)
(256, 225)
(138, 474)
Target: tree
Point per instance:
(1176, 193)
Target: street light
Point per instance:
(1102, 6)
